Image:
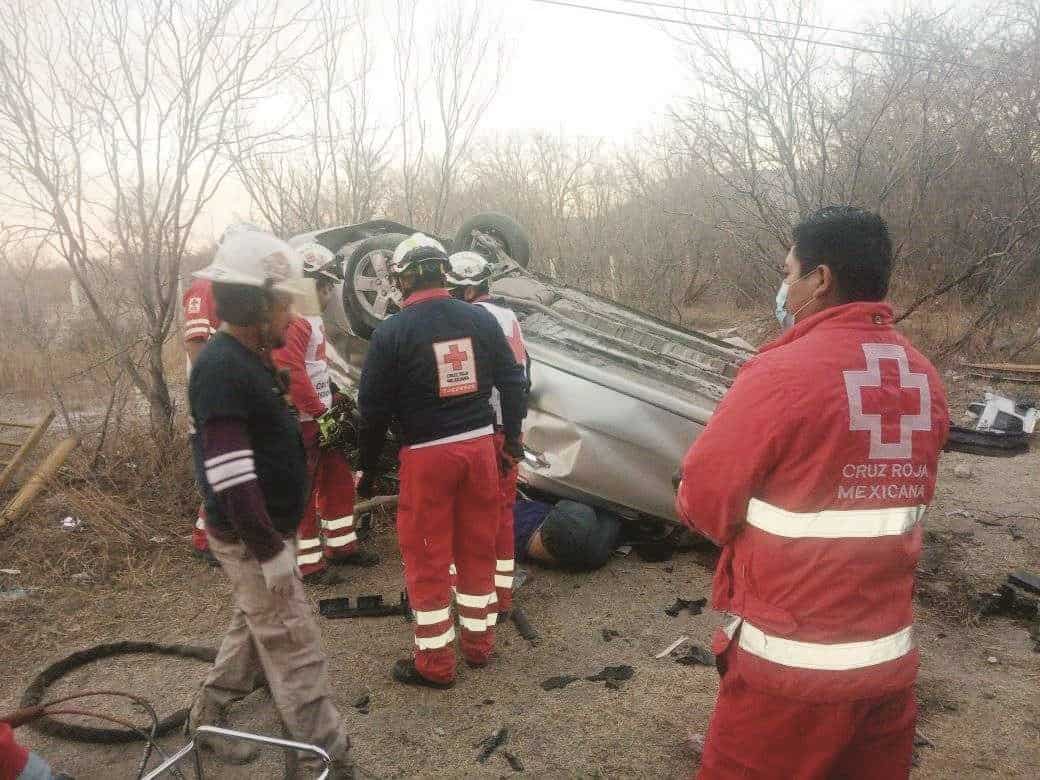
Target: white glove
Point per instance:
(280, 572)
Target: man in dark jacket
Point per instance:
(432, 369)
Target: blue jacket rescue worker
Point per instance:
(469, 277)
(253, 472)
(432, 368)
(813, 476)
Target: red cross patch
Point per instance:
(456, 367)
(890, 405)
(194, 304)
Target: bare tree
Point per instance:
(468, 62)
(409, 82)
(115, 120)
(330, 167)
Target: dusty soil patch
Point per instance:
(983, 718)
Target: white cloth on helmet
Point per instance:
(468, 268)
(409, 245)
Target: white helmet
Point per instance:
(318, 261)
(238, 227)
(256, 259)
(468, 268)
(415, 249)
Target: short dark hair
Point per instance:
(240, 304)
(853, 243)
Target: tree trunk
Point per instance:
(160, 405)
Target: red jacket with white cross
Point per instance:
(310, 386)
(813, 476)
(200, 311)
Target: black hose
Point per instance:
(34, 694)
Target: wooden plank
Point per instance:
(38, 481)
(996, 376)
(1015, 368)
(16, 425)
(8, 474)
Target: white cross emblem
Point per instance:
(856, 381)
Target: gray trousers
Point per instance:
(280, 638)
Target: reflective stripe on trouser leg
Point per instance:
(504, 541)
(475, 555)
(334, 484)
(308, 535)
(425, 533)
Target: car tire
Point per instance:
(365, 304)
(513, 239)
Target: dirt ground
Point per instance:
(979, 686)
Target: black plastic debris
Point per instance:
(608, 634)
(616, 673)
(489, 745)
(1025, 581)
(514, 761)
(696, 655)
(361, 704)
(694, 607)
(367, 606)
(562, 681)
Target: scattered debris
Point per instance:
(992, 659)
(696, 744)
(157, 539)
(514, 761)
(1025, 581)
(624, 549)
(361, 704)
(613, 673)
(696, 656)
(488, 702)
(962, 471)
(655, 552)
(523, 625)
(986, 443)
(13, 594)
(608, 634)
(439, 731)
(562, 681)
(367, 606)
(694, 607)
(11, 572)
(1016, 532)
(920, 740)
(82, 577)
(1004, 415)
(959, 513)
(672, 647)
(489, 745)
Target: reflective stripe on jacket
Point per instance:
(813, 475)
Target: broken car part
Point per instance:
(986, 443)
(367, 606)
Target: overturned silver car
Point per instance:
(617, 396)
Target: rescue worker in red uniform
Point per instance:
(813, 476)
(469, 276)
(200, 322)
(432, 368)
(331, 480)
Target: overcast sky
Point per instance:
(591, 74)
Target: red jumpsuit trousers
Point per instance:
(442, 516)
(332, 500)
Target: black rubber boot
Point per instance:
(405, 672)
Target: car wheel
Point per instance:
(369, 297)
(505, 231)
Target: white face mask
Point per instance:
(783, 316)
